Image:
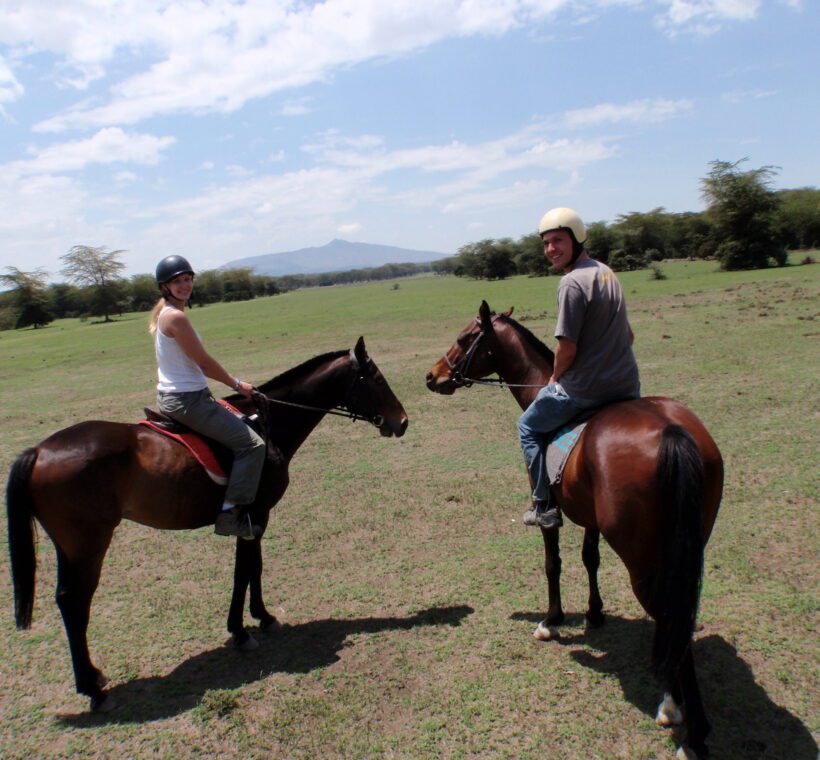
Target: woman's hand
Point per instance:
(240, 386)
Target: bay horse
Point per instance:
(80, 482)
(645, 473)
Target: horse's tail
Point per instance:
(20, 512)
(678, 585)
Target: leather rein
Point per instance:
(342, 410)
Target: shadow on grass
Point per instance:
(745, 721)
(292, 649)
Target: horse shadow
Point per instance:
(745, 721)
(290, 649)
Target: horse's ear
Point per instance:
(509, 312)
(485, 314)
(360, 351)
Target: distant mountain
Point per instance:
(336, 256)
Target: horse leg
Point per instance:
(257, 604)
(592, 560)
(77, 580)
(241, 578)
(552, 567)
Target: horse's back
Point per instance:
(96, 473)
(611, 480)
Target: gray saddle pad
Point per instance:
(562, 444)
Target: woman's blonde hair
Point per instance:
(152, 322)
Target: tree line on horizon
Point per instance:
(746, 225)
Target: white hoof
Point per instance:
(248, 645)
(545, 632)
(669, 713)
(685, 753)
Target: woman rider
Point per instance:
(183, 394)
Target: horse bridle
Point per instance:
(344, 409)
(458, 371)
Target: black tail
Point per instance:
(677, 589)
(19, 509)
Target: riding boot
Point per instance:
(543, 514)
(236, 522)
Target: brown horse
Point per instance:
(82, 481)
(645, 473)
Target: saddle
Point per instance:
(212, 455)
(563, 442)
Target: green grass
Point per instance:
(408, 585)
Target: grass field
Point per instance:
(408, 586)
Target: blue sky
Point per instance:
(223, 129)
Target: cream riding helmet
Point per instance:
(563, 218)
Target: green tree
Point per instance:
(641, 232)
(66, 300)
(142, 292)
(237, 284)
(99, 270)
(799, 217)
(530, 258)
(601, 240)
(30, 297)
(742, 209)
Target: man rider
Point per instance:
(594, 362)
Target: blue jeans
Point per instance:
(199, 411)
(551, 408)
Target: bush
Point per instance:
(622, 261)
(656, 271)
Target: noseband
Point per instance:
(458, 371)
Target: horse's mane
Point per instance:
(528, 336)
(288, 377)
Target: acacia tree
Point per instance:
(742, 209)
(99, 270)
(31, 297)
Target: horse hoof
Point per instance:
(102, 704)
(669, 713)
(270, 626)
(247, 645)
(595, 620)
(686, 753)
(545, 632)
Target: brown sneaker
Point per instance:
(236, 522)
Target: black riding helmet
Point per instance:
(172, 266)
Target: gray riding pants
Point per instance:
(199, 411)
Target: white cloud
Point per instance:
(10, 88)
(741, 96)
(705, 16)
(296, 107)
(353, 228)
(124, 178)
(110, 145)
(637, 111)
(198, 57)
(235, 170)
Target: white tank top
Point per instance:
(177, 372)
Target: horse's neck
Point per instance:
(525, 366)
(324, 387)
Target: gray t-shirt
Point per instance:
(592, 313)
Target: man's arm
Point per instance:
(564, 357)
